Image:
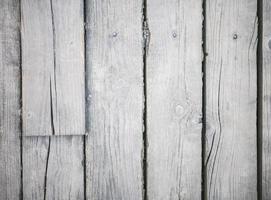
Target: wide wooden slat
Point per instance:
(53, 168)
(115, 99)
(266, 101)
(231, 152)
(10, 169)
(53, 67)
(174, 99)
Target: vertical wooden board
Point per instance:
(231, 152)
(53, 67)
(174, 99)
(53, 168)
(115, 99)
(266, 101)
(10, 169)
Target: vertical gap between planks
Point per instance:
(21, 102)
(204, 54)
(85, 177)
(86, 98)
(145, 137)
(259, 97)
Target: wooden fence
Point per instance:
(135, 99)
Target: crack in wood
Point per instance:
(51, 109)
(220, 128)
(46, 168)
(54, 71)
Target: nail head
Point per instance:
(115, 34)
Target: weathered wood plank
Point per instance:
(231, 152)
(53, 67)
(115, 99)
(174, 99)
(53, 168)
(266, 101)
(10, 169)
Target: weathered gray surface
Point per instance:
(266, 101)
(231, 45)
(174, 99)
(53, 168)
(53, 67)
(10, 174)
(115, 100)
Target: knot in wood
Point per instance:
(179, 110)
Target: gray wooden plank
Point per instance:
(53, 168)
(53, 67)
(10, 169)
(115, 99)
(174, 99)
(231, 152)
(266, 103)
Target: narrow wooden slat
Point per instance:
(53, 67)
(53, 168)
(115, 99)
(231, 152)
(10, 169)
(174, 99)
(266, 103)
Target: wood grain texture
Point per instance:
(10, 169)
(115, 99)
(174, 99)
(53, 67)
(231, 152)
(53, 168)
(266, 101)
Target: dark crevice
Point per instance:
(21, 105)
(259, 97)
(85, 167)
(54, 71)
(54, 32)
(203, 140)
(86, 99)
(52, 113)
(146, 39)
(46, 168)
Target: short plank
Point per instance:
(115, 99)
(231, 93)
(174, 99)
(53, 67)
(266, 101)
(10, 169)
(53, 168)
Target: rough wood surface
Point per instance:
(10, 169)
(266, 101)
(53, 168)
(231, 154)
(53, 67)
(174, 99)
(115, 99)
